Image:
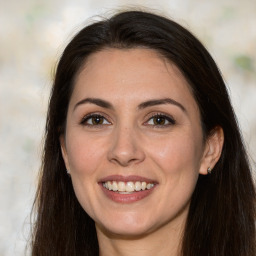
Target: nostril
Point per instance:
(126, 158)
(125, 148)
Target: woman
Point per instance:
(143, 155)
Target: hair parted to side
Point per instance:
(221, 219)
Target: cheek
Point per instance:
(177, 152)
(178, 159)
(178, 162)
(85, 157)
(83, 154)
(78, 156)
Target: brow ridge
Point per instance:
(156, 102)
(143, 105)
(96, 101)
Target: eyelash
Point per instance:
(163, 117)
(86, 118)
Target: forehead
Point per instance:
(131, 74)
(125, 61)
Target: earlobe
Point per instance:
(212, 151)
(64, 151)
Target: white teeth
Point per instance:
(150, 185)
(143, 185)
(114, 186)
(109, 185)
(137, 186)
(121, 186)
(127, 187)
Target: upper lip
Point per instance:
(133, 178)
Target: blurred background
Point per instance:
(32, 37)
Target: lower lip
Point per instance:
(127, 198)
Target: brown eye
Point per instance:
(161, 120)
(95, 120)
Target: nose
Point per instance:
(125, 148)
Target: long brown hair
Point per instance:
(221, 219)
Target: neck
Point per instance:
(165, 242)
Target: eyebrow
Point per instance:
(156, 102)
(143, 105)
(98, 102)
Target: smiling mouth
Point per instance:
(127, 187)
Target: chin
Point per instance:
(124, 231)
(124, 226)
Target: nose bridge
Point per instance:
(125, 148)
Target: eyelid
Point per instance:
(95, 114)
(168, 117)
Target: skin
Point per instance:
(130, 142)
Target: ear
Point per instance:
(64, 151)
(212, 151)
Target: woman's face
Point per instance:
(133, 144)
